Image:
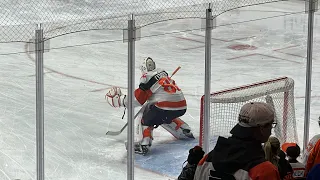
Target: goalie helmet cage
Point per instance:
(225, 106)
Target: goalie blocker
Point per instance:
(166, 103)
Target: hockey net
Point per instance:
(225, 106)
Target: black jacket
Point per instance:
(235, 153)
(187, 172)
(284, 167)
(240, 151)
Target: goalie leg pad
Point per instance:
(147, 132)
(179, 129)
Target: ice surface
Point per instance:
(80, 67)
(166, 158)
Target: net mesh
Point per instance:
(226, 105)
(18, 18)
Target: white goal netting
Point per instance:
(225, 106)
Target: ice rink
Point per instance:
(80, 67)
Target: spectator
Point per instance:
(310, 147)
(314, 157)
(241, 156)
(308, 159)
(293, 152)
(195, 155)
(314, 173)
(278, 158)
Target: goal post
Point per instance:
(225, 106)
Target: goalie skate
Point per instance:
(139, 149)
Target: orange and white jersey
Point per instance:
(314, 153)
(159, 89)
(298, 170)
(309, 148)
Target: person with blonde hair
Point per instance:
(277, 157)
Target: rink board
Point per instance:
(166, 158)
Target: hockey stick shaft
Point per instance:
(175, 71)
(115, 133)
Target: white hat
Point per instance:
(256, 114)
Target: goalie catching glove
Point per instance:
(115, 97)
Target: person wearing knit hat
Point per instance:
(195, 155)
(241, 156)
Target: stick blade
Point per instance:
(116, 133)
(113, 133)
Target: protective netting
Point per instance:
(226, 105)
(18, 18)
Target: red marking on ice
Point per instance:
(291, 54)
(50, 70)
(258, 54)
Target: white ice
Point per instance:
(77, 78)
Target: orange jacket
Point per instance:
(314, 157)
(263, 171)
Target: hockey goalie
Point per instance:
(165, 104)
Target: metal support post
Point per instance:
(207, 89)
(131, 79)
(39, 50)
(312, 7)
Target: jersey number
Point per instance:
(167, 86)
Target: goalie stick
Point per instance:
(115, 133)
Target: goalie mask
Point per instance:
(147, 65)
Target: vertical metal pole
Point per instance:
(39, 49)
(207, 89)
(308, 73)
(131, 73)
